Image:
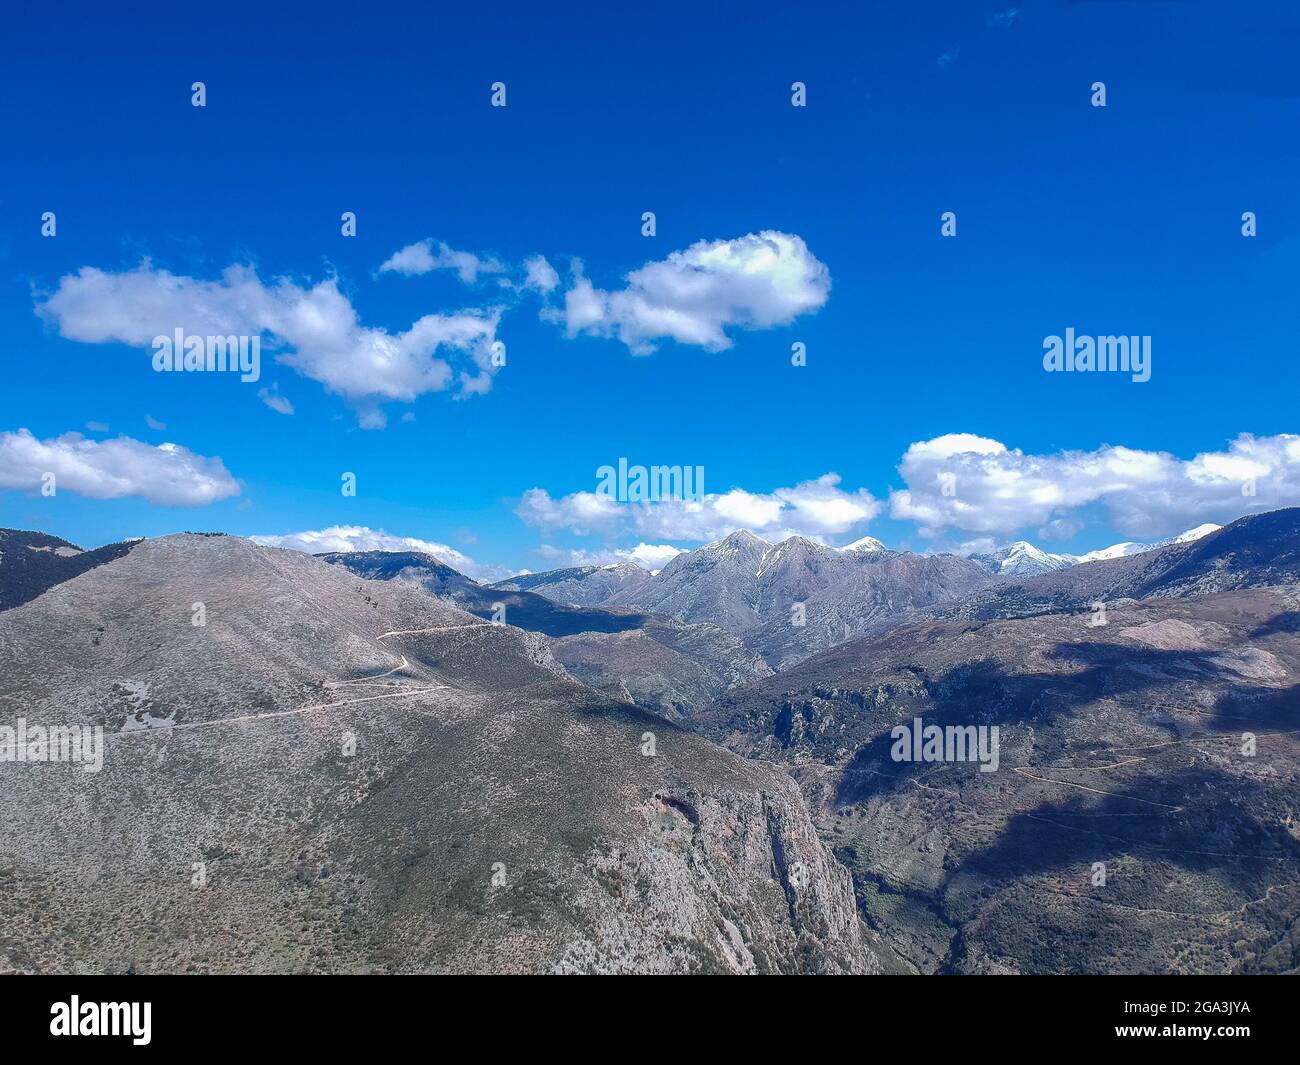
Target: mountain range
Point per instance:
(793, 599)
(380, 764)
(1147, 707)
(1023, 559)
(788, 600)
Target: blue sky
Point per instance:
(1123, 219)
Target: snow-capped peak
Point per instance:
(1129, 547)
(1191, 534)
(866, 544)
(1022, 557)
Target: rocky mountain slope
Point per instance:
(716, 584)
(664, 666)
(870, 597)
(579, 585)
(1143, 814)
(790, 600)
(335, 774)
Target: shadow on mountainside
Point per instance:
(1180, 818)
(986, 693)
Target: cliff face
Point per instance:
(733, 882)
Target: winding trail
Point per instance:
(278, 713)
(1209, 915)
(436, 628)
(378, 676)
(1096, 791)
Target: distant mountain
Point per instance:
(869, 597)
(1257, 551)
(338, 774)
(1023, 559)
(741, 581)
(797, 569)
(787, 601)
(527, 610)
(717, 583)
(1189, 535)
(1131, 548)
(31, 563)
(579, 585)
(867, 544)
(796, 598)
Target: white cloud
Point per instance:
(318, 327)
(540, 276)
(746, 510)
(648, 556)
(998, 490)
(752, 282)
(816, 508)
(582, 512)
(154, 424)
(362, 538)
(168, 474)
(420, 258)
(950, 444)
(272, 398)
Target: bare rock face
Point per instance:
(714, 584)
(729, 843)
(333, 774)
(792, 600)
(879, 592)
